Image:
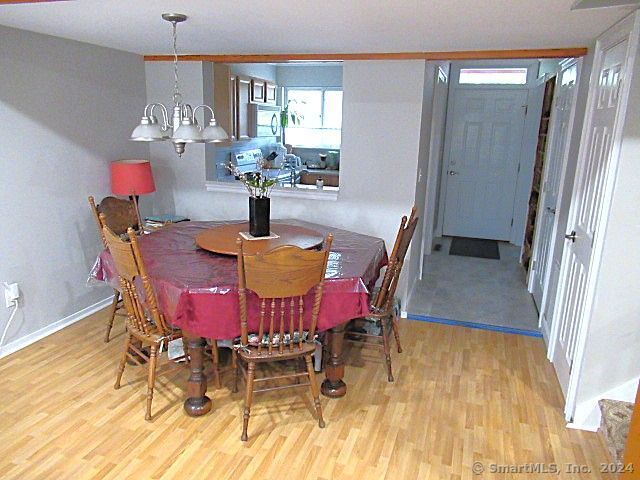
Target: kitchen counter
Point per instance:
(321, 171)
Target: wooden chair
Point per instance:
(384, 315)
(119, 215)
(146, 326)
(280, 278)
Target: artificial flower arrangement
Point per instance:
(259, 187)
(257, 183)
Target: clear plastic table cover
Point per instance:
(197, 290)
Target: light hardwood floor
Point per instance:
(460, 396)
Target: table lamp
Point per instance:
(132, 178)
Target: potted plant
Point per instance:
(259, 187)
(289, 113)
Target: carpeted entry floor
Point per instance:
(474, 247)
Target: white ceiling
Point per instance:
(306, 26)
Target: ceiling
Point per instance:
(306, 26)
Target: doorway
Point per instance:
(484, 179)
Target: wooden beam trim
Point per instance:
(11, 2)
(454, 55)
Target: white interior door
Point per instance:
(597, 161)
(556, 155)
(482, 164)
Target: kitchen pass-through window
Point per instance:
(314, 117)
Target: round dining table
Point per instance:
(197, 291)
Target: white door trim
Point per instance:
(629, 27)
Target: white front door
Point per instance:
(593, 185)
(482, 163)
(556, 156)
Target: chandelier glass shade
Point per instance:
(182, 127)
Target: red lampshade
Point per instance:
(132, 177)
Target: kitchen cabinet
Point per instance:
(258, 90)
(232, 95)
(270, 93)
(224, 98)
(244, 87)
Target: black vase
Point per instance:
(259, 216)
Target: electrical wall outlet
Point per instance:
(11, 294)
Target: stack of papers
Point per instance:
(161, 220)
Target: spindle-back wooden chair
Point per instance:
(119, 215)
(384, 314)
(280, 278)
(145, 323)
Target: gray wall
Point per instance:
(312, 76)
(413, 265)
(68, 109)
(265, 71)
(378, 168)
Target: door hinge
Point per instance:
(526, 109)
(533, 264)
(512, 222)
(518, 168)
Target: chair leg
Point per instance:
(396, 334)
(215, 355)
(152, 378)
(112, 314)
(387, 351)
(123, 361)
(248, 399)
(234, 367)
(315, 393)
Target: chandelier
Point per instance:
(182, 127)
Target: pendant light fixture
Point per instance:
(182, 127)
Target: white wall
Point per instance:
(612, 356)
(380, 142)
(68, 109)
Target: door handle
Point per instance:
(571, 236)
(451, 172)
(552, 210)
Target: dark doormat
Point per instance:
(474, 247)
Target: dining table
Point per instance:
(197, 291)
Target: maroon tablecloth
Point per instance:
(197, 289)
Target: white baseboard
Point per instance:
(33, 337)
(587, 414)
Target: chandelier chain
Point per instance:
(176, 88)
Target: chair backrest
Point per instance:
(384, 299)
(281, 278)
(119, 214)
(143, 316)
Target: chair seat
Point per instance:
(251, 353)
(253, 339)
